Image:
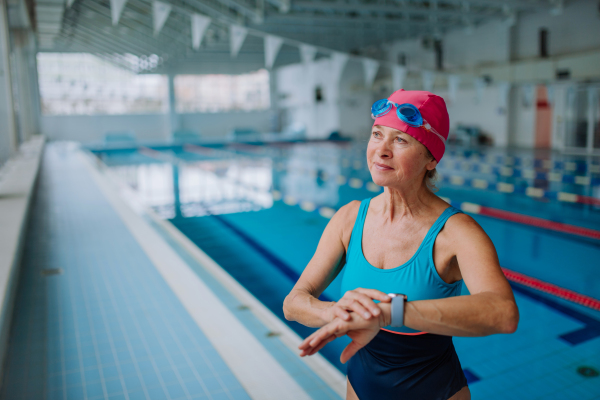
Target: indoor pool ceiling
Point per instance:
(358, 27)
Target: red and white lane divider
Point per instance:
(554, 290)
(526, 219)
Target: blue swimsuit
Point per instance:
(401, 363)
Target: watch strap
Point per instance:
(397, 310)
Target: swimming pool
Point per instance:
(259, 212)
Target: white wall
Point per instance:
(215, 125)
(91, 128)
(345, 106)
(576, 29)
(487, 43)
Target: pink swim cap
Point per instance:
(433, 109)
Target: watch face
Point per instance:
(392, 295)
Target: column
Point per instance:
(8, 137)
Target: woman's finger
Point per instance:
(341, 313)
(374, 294)
(349, 351)
(322, 344)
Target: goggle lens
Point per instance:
(410, 114)
(380, 107)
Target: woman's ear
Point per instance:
(431, 164)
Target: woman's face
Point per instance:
(396, 159)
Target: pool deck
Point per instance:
(112, 304)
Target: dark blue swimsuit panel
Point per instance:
(420, 367)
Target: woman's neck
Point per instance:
(397, 203)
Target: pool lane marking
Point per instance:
(277, 262)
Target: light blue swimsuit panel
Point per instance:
(417, 278)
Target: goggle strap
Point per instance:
(430, 128)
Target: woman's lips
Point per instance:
(382, 167)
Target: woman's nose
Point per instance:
(383, 150)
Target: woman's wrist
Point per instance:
(326, 314)
(385, 317)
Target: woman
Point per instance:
(408, 241)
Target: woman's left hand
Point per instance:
(360, 330)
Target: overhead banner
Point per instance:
(503, 91)
(116, 8)
(237, 35)
(453, 83)
(307, 53)
(272, 46)
(398, 75)
(200, 24)
(160, 13)
(428, 79)
(370, 67)
(338, 62)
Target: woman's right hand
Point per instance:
(360, 301)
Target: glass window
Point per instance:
(81, 83)
(221, 93)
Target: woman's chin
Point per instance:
(379, 180)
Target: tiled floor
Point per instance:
(106, 326)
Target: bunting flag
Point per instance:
(398, 75)
(370, 67)
(160, 13)
(428, 79)
(237, 35)
(272, 46)
(116, 8)
(453, 83)
(200, 24)
(479, 84)
(503, 91)
(307, 53)
(338, 62)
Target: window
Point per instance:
(219, 93)
(81, 83)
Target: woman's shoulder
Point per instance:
(343, 220)
(462, 227)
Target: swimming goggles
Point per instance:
(406, 113)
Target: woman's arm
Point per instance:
(490, 308)
(302, 303)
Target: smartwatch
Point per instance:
(398, 300)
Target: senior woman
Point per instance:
(410, 244)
